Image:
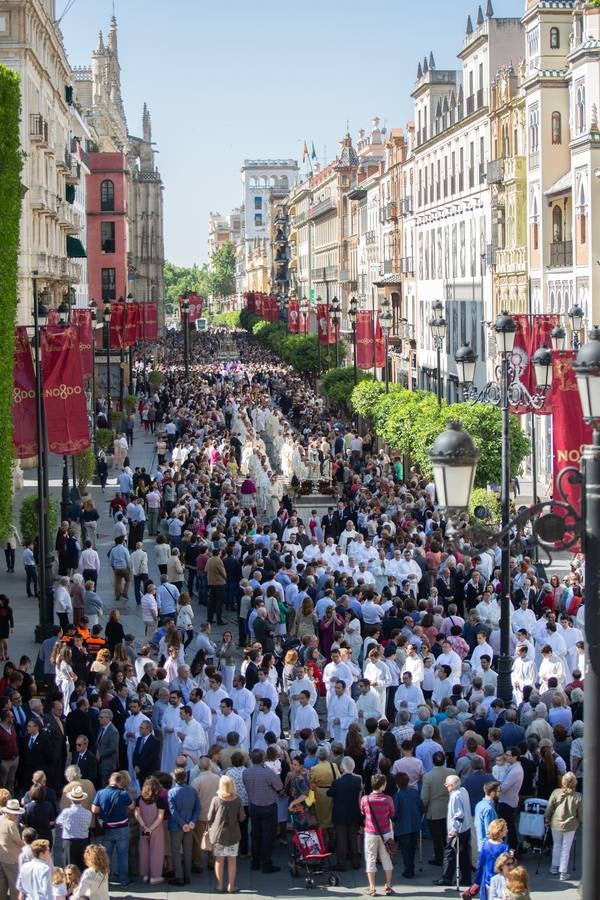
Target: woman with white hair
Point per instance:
(564, 815)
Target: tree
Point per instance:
(179, 279)
(222, 271)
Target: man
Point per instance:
(524, 673)
(79, 722)
(226, 721)
(107, 746)
(206, 784)
(34, 879)
(30, 567)
(408, 695)
(341, 712)
(184, 683)
(120, 562)
(334, 671)
(9, 750)
(10, 847)
(435, 800)
(264, 632)
(482, 648)
(485, 813)
(184, 812)
(63, 607)
(414, 665)
(425, 750)
(146, 753)
(263, 787)
(194, 742)
(36, 751)
(171, 723)
(551, 666)
(139, 569)
(346, 815)
(85, 759)
(167, 596)
(75, 822)
(132, 733)
(458, 824)
(305, 717)
(508, 801)
(113, 804)
(264, 720)
(300, 683)
(216, 577)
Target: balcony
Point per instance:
(481, 172)
(534, 160)
(64, 163)
(511, 261)
(41, 199)
(38, 129)
(561, 254)
(514, 169)
(470, 104)
(320, 209)
(370, 238)
(495, 171)
(73, 175)
(405, 206)
(480, 98)
(68, 217)
(490, 255)
(325, 274)
(407, 265)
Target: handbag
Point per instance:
(206, 843)
(390, 845)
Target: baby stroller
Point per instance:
(309, 857)
(532, 828)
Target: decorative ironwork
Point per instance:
(519, 395)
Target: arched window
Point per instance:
(582, 216)
(107, 196)
(534, 225)
(556, 128)
(554, 39)
(580, 109)
(557, 224)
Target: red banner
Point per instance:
(82, 319)
(196, 304)
(53, 317)
(293, 317)
(364, 340)
(327, 330)
(24, 405)
(131, 324)
(117, 325)
(569, 431)
(274, 309)
(379, 345)
(250, 302)
(532, 333)
(150, 321)
(258, 304)
(64, 397)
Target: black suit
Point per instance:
(58, 751)
(79, 722)
(346, 817)
(37, 756)
(328, 526)
(88, 765)
(146, 758)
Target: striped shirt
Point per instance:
(377, 809)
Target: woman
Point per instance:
(297, 787)
(101, 665)
(73, 551)
(226, 656)
(114, 631)
(225, 814)
(185, 618)
(9, 544)
(150, 813)
(102, 469)
(564, 814)
(306, 621)
(378, 810)
(355, 747)
(7, 625)
(329, 624)
(492, 848)
(550, 770)
(172, 662)
(162, 552)
(39, 813)
(94, 881)
(89, 519)
(504, 864)
(322, 776)
(175, 570)
(65, 676)
(77, 597)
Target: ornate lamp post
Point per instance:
(353, 312)
(576, 316)
(438, 330)
(335, 308)
(304, 313)
(385, 318)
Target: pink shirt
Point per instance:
(412, 767)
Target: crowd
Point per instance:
(349, 684)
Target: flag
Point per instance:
(305, 152)
(131, 325)
(117, 324)
(313, 153)
(293, 317)
(196, 304)
(24, 393)
(379, 345)
(364, 339)
(150, 312)
(82, 319)
(326, 328)
(532, 333)
(569, 431)
(64, 397)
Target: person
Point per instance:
(113, 804)
(75, 822)
(563, 814)
(34, 881)
(39, 813)
(517, 884)
(216, 577)
(146, 754)
(485, 812)
(510, 786)
(346, 816)
(435, 800)
(378, 810)
(297, 788)
(408, 812)
(184, 812)
(7, 625)
(150, 810)
(10, 847)
(224, 817)
(263, 786)
(458, 824)
(31, 573)
(94, 879)
(107, 746)
(120, 562)
(494, 845)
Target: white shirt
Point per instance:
(414, 665)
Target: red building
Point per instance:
(107, 226)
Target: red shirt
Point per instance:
(9, 745)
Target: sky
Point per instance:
(245, 79)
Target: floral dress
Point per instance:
(301, 816)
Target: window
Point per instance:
(258, 220)
(258, 203)
(556, 128)
(582, 216)
(109, 282)
(534, 136)
(107, 237)
(107, 196)
(534, 225)
(580, 109)
(554, 39)
(557, 224)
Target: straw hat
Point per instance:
(77, 793)
(12, 808)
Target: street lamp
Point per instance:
(385, 318)
(304, 313)
(466, 364)
(353, 312)
(558, 336)
(438, 329)
(106, 313)
(335, 308)
(576, 315)
(185, 312)
(454, 459)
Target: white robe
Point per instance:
(300, 684)
(195, 740)
(171, 743)
(213, 701)
(230, 722)
(201, 713)
(305, 717)
(244, 704)
(268, 721)
(344, 709)
(381, 678)
(369, 705)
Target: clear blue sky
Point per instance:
(231, 80)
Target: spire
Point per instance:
(431, 60)
(112, 36)
(489, 10)
(348, 157)
(479, 16)
(419, 71)
(425, 66)
(100, 48)
(147, 125)
(469, 25)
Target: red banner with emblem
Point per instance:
(532, 333)
(64, 397)
(151, 321)
(24, 393)
(327, 330)
(379, 345)
(53, 317)
(196, 304)
(117, 325)
(364, 340)
(250, 302)
(294, 317)
(258, 304)
(82, 319)
(131, 324)
(569, 431)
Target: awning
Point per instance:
(392, 278)
(75, 249)
(562, 186)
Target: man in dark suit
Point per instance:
(119, 707)
(36, 752)
(107, 747)
(146, 754)
(55, 730)
(85, 759)
(79, 722)
(346, 815)
(327, 524)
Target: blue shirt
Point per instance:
(184, 807)
(119, 800)
(119, 557)
(125, 482)
(408, 811)
(485, 814)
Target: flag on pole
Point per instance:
(313, 152)
(305, 152)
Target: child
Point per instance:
(517, 884)
(28, 836)
(504, 864)
(72, 877)
(59, 883)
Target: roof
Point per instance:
(394, 278)
(561, 186)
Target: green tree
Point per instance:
(222, 271)
(484, 424)
(364, 397)
(179, 279)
